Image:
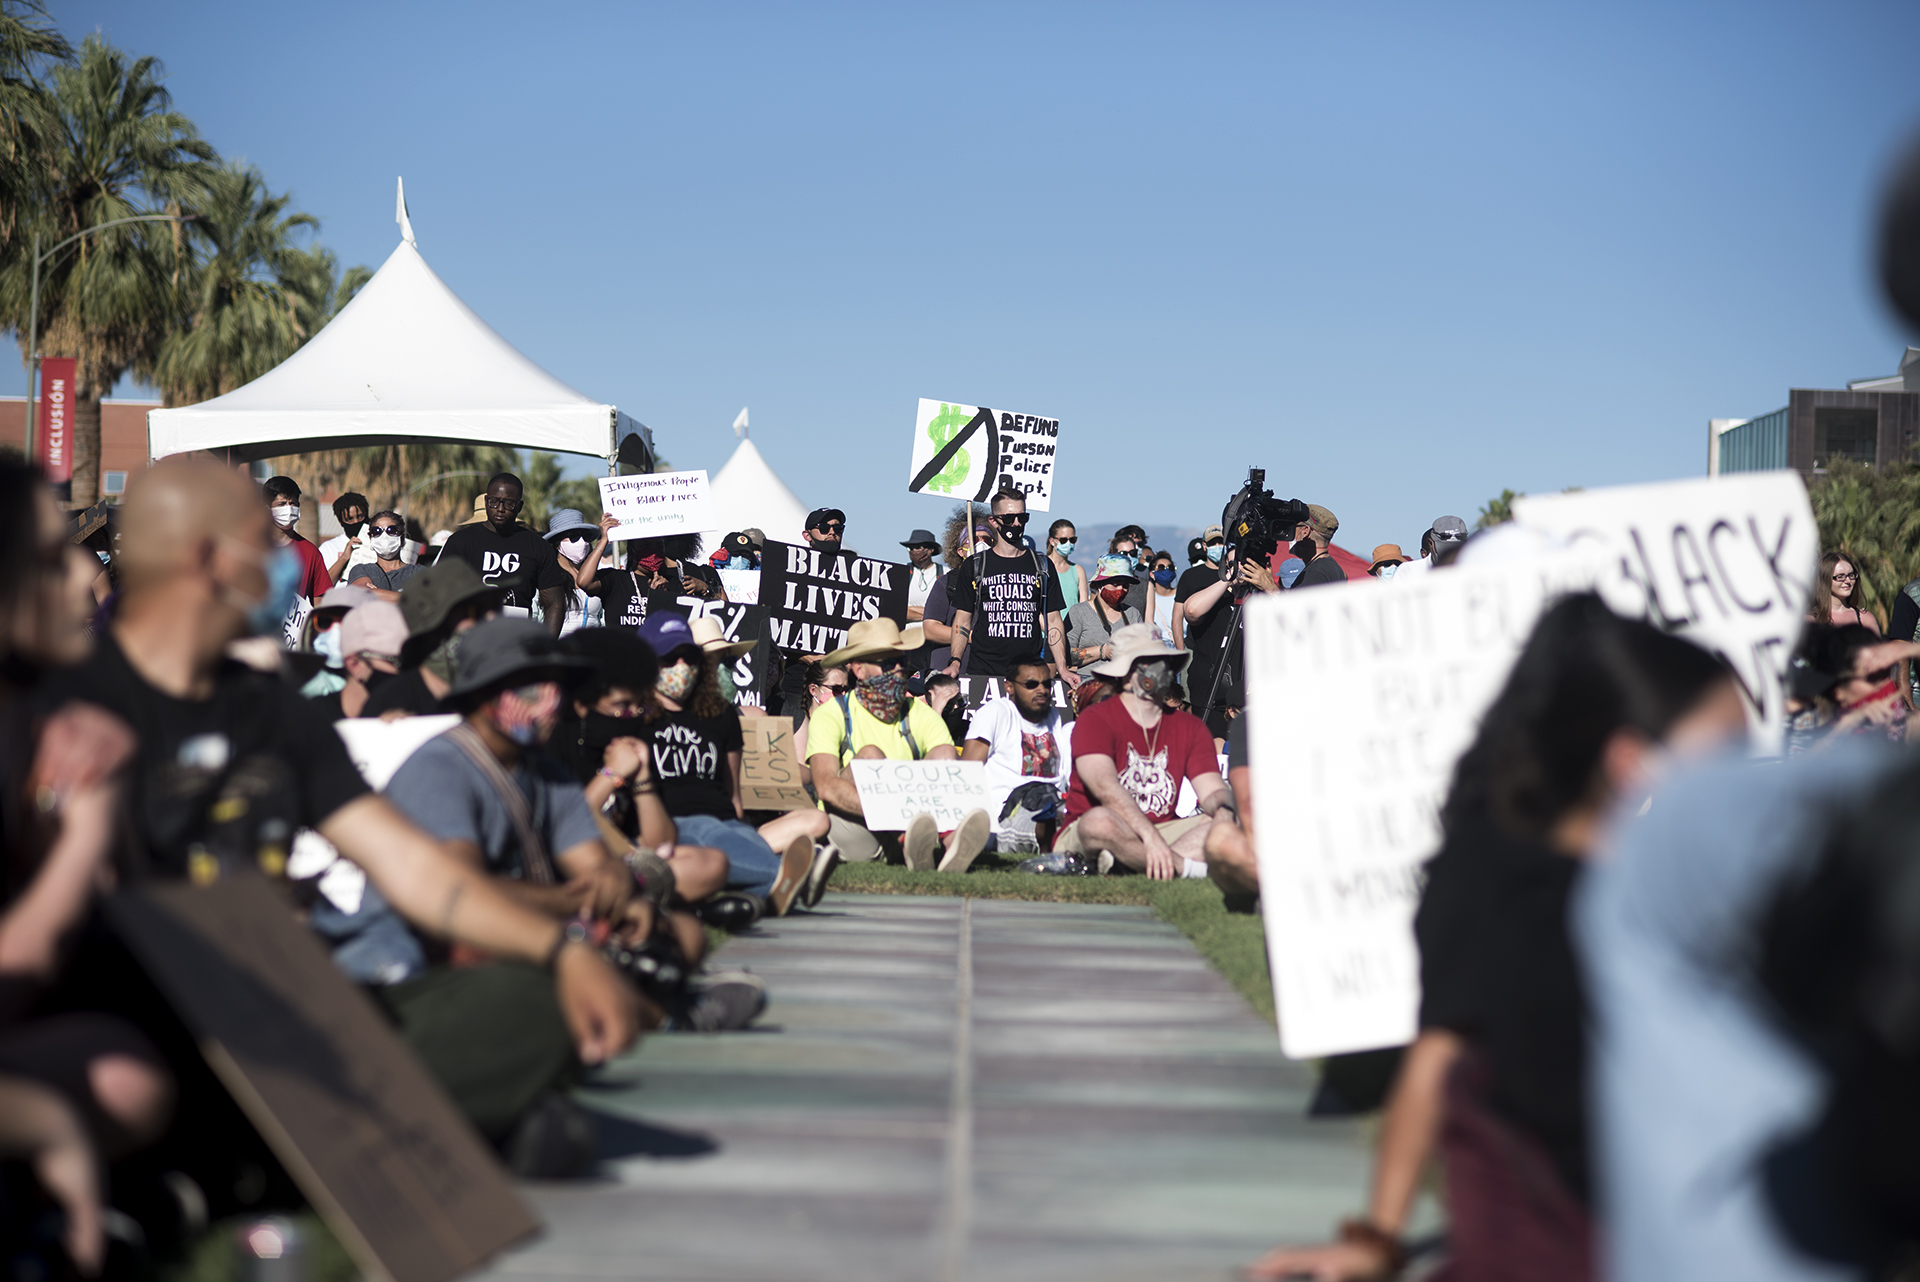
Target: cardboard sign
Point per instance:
(892, 792)
(770, 775)
(379, 748)
(752, 672)
(1727, 562)
(402, 1179)
(969, 451)
(1388, 685)
(656, 504)
(811, 600)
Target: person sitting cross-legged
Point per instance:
(882, 721)
(1024, 743)
(1130, 755)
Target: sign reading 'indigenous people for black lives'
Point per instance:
(812, 599)
(752, 671)
(969, 451)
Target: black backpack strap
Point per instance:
(846, 711)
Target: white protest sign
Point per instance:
(892, 792)
(1369, 694)
(1727, 562)
(969, 451)
(656, 504)
(743, 586)
(378, 748)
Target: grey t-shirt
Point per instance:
(444, 792)
(391, 580)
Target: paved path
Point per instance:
(950, 1089)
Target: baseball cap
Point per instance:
(1211, 533)
(666, 632)
(1449, 528)
(821, 515)
(377, 626)
(737, 544)
(755, 537)
(1323, 521)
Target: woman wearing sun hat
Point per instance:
(1387, 558)
(573, 536)
(1092, 623)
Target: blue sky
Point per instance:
(1401, 255)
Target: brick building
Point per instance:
(123, 438)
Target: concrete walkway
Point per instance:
(950, 1089)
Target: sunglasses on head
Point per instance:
(386, 529)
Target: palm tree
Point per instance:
(1498, 511)
(1874, 516)
(28, 42)
(115, 148)
(253, 294)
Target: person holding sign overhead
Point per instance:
(882, 721)
(1013, 595)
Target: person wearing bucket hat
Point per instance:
(1092, 623)
(1130, 756)
(882, 720)
(1387, 559)
(921, 547)
(574, 537)
(696, 745)
(439, 604)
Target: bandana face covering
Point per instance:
(444, 658)
(885, 696)
(525, 720)
(675, 682)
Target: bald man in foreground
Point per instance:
(231, 762)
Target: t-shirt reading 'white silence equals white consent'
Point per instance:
(1007, 596)
(1019, 751)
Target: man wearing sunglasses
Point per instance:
(512, 557)
(1022, 741)
(1007, 601)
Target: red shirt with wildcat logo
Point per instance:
(1151, 763)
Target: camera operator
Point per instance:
(1205, 599)
(1312, 548)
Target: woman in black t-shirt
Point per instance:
(696, 744)
(1496, 1078)
(663, 574)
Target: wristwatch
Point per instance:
(575, 932)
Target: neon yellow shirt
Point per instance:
(827, 731)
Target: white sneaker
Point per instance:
(1106, 862)
(922, 840)
(969, 839)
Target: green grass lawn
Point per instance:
(1233, 941)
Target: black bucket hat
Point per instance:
(510, 651)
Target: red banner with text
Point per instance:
(53, 437)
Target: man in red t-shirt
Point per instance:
(1130, 755)
(282, 494)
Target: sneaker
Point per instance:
(731, 910)
(552, 1140)
(922, 840)
(794, 866)
(825, 860)
(1106, 862)
(722, 1001)
(969, 839)
(1056, 863)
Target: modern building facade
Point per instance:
(1874, 421)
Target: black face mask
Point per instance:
(1305, 549)
(353, 528)
(597, 729)
(376, 678)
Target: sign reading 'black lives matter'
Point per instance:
(812, 599)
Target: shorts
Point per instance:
(1170, 831)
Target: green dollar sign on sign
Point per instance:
(949, 420)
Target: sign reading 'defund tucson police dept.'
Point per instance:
(811, 600)
(969, 451)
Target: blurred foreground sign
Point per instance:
(402, 1178)
(1363, 695)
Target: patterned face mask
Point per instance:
(885, 695)
(526, 715)
(1155, 679)
(676, 681)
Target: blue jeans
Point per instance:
(752, 864)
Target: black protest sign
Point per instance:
(400, 1176)
(980, 690)
(752, 672)
(811, 599)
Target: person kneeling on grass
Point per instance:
(696, 744)
(1130, 755)
(883, 722)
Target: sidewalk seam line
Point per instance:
(959, 1211)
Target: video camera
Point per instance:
(1256, 524)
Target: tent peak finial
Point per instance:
(740, 424)
(400, 213)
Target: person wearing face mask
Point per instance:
(1199, 576)
(1127, 541)
(282, 495)
(440, 604)
(1160, 596)
(1061, 541)
(1092, 623)
(1130, 756)
(1006, 601)
(574, 537)
(1320, 565)
(323, 638)
(385, 572)
(881, 720)
(371, 638)
(349, 548)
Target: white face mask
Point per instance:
(385, 544)
(285, 517)
(573, 549)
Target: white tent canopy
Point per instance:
(746, 492)
(406, 360)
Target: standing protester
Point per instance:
(1205, 597)
(1061, 540)
(920, 546)
(1321, 567)
(1130, 756)
(347, 548)
(1127, 541)
(1092, 623)
(1160, 595)
(1446, 532)
(572, 537)
(824, 527)
(967, 533)
(386, 571)
(311, 580)
(1836, 593)
(198, 572)
(510, 556)
(1022, 740)
(696, 745)
(1387, 560)
(1013, 593)
(439, 604)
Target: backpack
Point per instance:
(979, 560)
(846, 746)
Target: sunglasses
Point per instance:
(892, 663)
(386, 529)
(1012, 518)
(836, 690)
(832, 527)
(1033, 685)
(511, 505)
